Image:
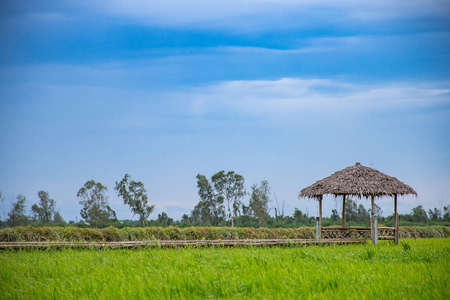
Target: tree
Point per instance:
(301, 218)
(96, 210)
(446, 215)
(230, 189)
(164, 220)
(378, 210)
(2, 200)
(363, 214)
(334, 215)
(419, 214)
(210, 208)
(134, 195)
(57, 218)
(435, 214)
(217, 198)
(46, 208)
(351, 210)
(17, 215)
(358, 213)
(259, 201)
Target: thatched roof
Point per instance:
(359, 181)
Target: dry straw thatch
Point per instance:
(359, 181)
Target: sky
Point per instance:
(284, 91)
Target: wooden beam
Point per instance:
(320, 215)
(396, 220)
(372, 213)
(343, 211)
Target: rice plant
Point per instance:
(348, 272)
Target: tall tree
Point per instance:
(351, 210)
(446, 214)
(236, 192)
(134, 195)
(435, 214)
(2, 200)
(17, 214)
(230, 189)
(96, 210)
(363, 214)
(210, 209)
(46, 208)
(57, 218)
(219, 198)
(259, 201)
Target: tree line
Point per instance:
(221, 203)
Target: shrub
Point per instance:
(112, 234)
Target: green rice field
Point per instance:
(415, 269)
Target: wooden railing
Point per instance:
(350, 233)
(356, 233)
(386, 233)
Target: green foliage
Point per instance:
(230, 190)
(57, 218)
(357, 213)
(210, 209)
(341, 272)
(259, 202)
(163, 220)
(44, 211)
(17, 217)
(446, 215)
(419, 214)
(220, 199)
(405, 246)
(72, 233)
(2, 204)
(435, 214)
(96, 210)
(135, 195)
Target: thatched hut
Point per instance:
(359, 181)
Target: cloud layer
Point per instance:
(261, 13)
(289, 96)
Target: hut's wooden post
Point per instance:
(372, 229)
(320, 215)
(396, 220)
(317, 228)
(375, 232)
(343, 211)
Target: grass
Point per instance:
(110, 234)
(416, 269)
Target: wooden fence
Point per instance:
(356, 233)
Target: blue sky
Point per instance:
(285, 91)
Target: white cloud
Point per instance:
(292, 95)
(278, 97)
(259, 13)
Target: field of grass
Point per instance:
(415, 269)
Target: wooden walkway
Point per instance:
(177, 243)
